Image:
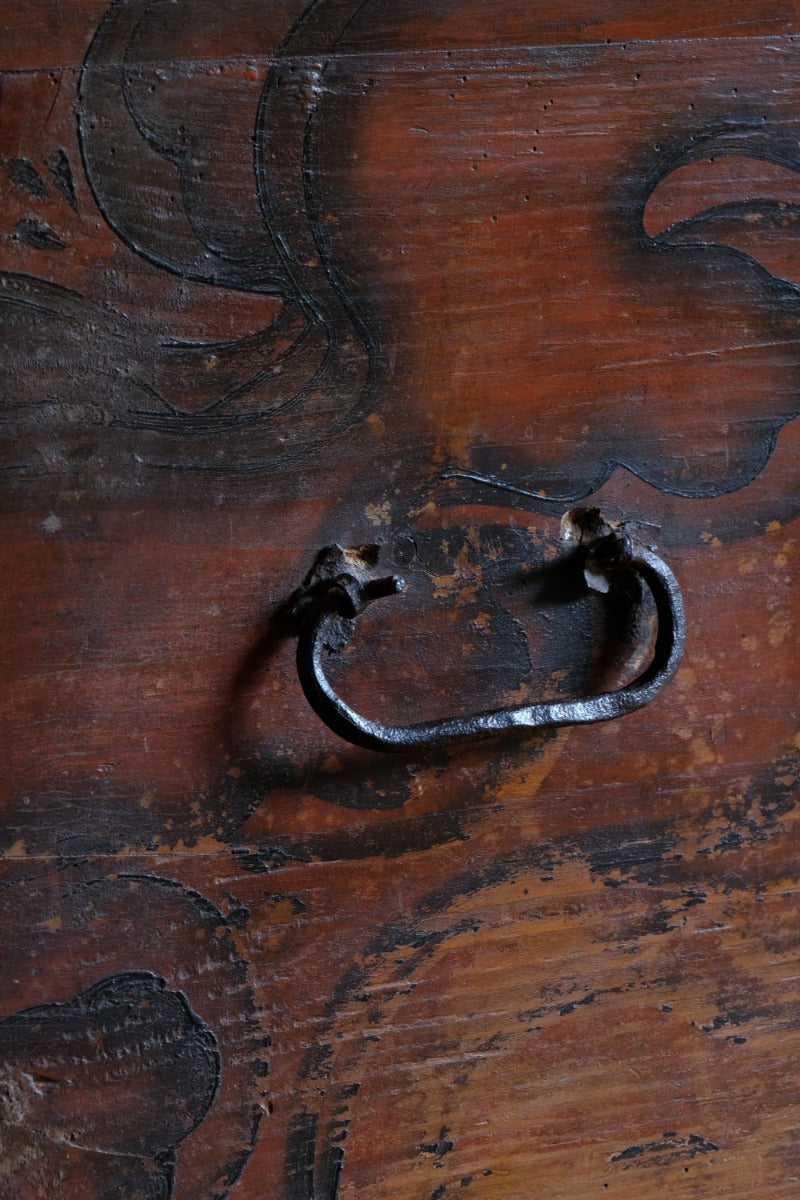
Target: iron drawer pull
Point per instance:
(340, 586)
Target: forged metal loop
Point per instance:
(325, 609)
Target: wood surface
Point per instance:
(275, 276)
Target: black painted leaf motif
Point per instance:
(190, 206)
(746, 202)
(125, 1069)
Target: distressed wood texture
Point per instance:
(279, 275)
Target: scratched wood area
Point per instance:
(280, 274)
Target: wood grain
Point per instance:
(277, 276)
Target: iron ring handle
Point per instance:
(325, 610)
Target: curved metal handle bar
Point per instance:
(328, 632)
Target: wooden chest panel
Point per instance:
(421, 276)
